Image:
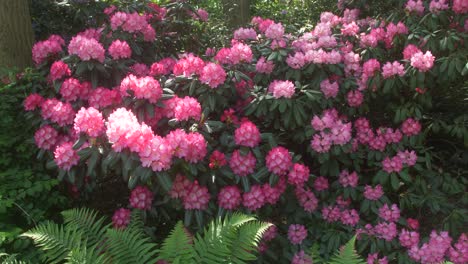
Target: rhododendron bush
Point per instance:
(323, 133)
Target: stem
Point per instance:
(26, 213)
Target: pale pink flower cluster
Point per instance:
(92, 33)
(58, 70)
(262, 24)
(331, 213)
(188, 65)
(345, 216)
(162, 67)
(229, 197)
(306, 199)
(394, 164)
(213, 75)
(196, 197)
(460, 6)
(142, 88)
(387, 231)
(296, 61)
(354, 98)
(119, 49)
(129, 22)
(349, 217)
(370, 67)
(410, 127)
(189, 146)
(247, 134)
(65, 156)
(141, 198)
(245, 34)
(282, 89)
(391, 69)
(240, 53)
(182, 109)
(33, 101)
(373, 194)
(264, 66)
(254, 199)
(58, 112)
(179, 186)
(42, 50)
(333, 131)
(415, 6)
(321, 183)
(350, 29)
(409, 51)
(297, 233)
(121, 218)
(89, 121)
(139, 69)
(374, 259)
(458, 254)
(408, 157)
(275, 31)
(347, 179)
(301, 258)
(242, 165)
(86, 49)
(46, 137)
(422, 61)
(434, 250)
(102, 97)
(72, 89)
(390, 214)
(279, 161)
(329, 89)
(299, 174)
(438, 5)
(408, 239)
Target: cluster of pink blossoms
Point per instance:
(347, 179)
(375, 140)
(410, 127)
(434, 250)
(242, 165)
(141, 198)
(340, 213)
(133, 23)
(238, 53)
(120, 50)
(121, 218)
(229, 197)
(373, 194)
(247, 134)
(89, 121)
(193, 195)
(321, 183)
(58, 70)
(301, 258)
(306, 199)
(213, 75)
(102, 97)
(264, 66)
(422, 61)
(333, 131)
(374, 258)
(245, 34)
(33, 101)
(415, 6)
(329, 89)
(86, 49)
(65, 156)
(279, 161)
(389, 214)
(217, 160)
(188, 65)
(46, 137)
(281, 89)
(297, 233)
(142, 88)
(42, 50)
(57, 112)
(72, 89)
(395, 164)
(391, 69)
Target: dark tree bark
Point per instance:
(16, 35)
(237, 12)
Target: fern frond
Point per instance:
(347, 255)
(86, 220)
(10, 259)
(136, 221)
(246, 242)
(82, 254)
(129, 246)
(177, 246)
(56, 241)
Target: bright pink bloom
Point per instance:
(202, 14)
(247, 134)
(299, 174)
(296, 61)
(179, 145)
(350, 29)
(141, 198)
(72, 89)
(89, 121)
(331, 213)
(245, 34)
(120, 50)
(196, 198)
(189, 65)
(242, 165)
(306, 199)
(58, 112)
(422, 62)
(121, 124)
(65, 156)
(347, 179)
(275, 31)
(408, 239)
(264, 66)
(270, 233)
(179, 187)
(392, 69)
(139, 69)
(86, 49)
(217, 160)
(58, 70)
(301, 258)
(142, 88)
(415, 6)
(408, 157)
(410, 127)
(394, 164)
(297, 233)
(254, 199)
(186, 108)
(241, 53)
(329, 89)
(370, 67)
(229, 197)
(460, 6)
(102, 97)
(121, 218)
(409, 51)
(42, 50)
(46, 137)
(279, 161)
(458, 254)
(91, 33)
(373, 194)
(196, 147)
(355, 98)
(282, 89)
(389, 214)
(213, 75)
(374, 259)
(349, 217)
(387, 231)
(413, 223)
(33, 101)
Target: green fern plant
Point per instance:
(347, 254)
(84, 238)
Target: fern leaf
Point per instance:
(347, 255)
(246, 242)
(56, 241)
(10, 259)
(177, 246)
(82, 254)
(86, 221)
(130, 246)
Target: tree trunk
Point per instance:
(16, 35)
(237, 12)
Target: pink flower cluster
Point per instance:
(72, 89)
(217, 160)
(282, 89)
(391, 69)
(422, 61)
(374, 259)
(389, 214)
(297, 233)
(58, 112)
(275, 31)
(245, 34)
(42, 50)
(65, 156)
(438, 5)
(410, 127)
(321, 183)
(120, 50)
(229, 197)
(32, 102)
(306, 198)
(434, 250)
(242, 165)
(141, 198)
(213, 75)
(189, 65)
(279, 161)
(121, 218)
(347, 179)
(46, 137)
(373, 194)
(329, 89)
(142, 88)
(58, 70)
(239, 52)
(102, 97)
(345, 216)
(301, 258)
(89, 121)
(247, 134)
(415, 6)
(86, 49)
(333, 131)
(264, 66)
